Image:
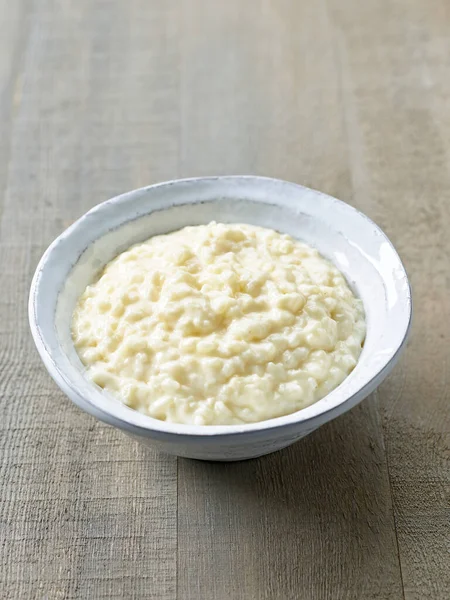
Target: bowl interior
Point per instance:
(343, 235)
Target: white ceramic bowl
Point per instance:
(348, 238)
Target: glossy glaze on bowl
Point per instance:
(349, 239)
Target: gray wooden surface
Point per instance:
(346, 96)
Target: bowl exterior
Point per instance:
(243, 449)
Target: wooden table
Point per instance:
(346, 96)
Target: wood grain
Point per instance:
(349, 97)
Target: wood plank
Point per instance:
(315, 520)
(266, 100)
(312, 521)
(398, 87)
(14, 27)
(85, 512)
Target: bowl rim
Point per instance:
(141, 424)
